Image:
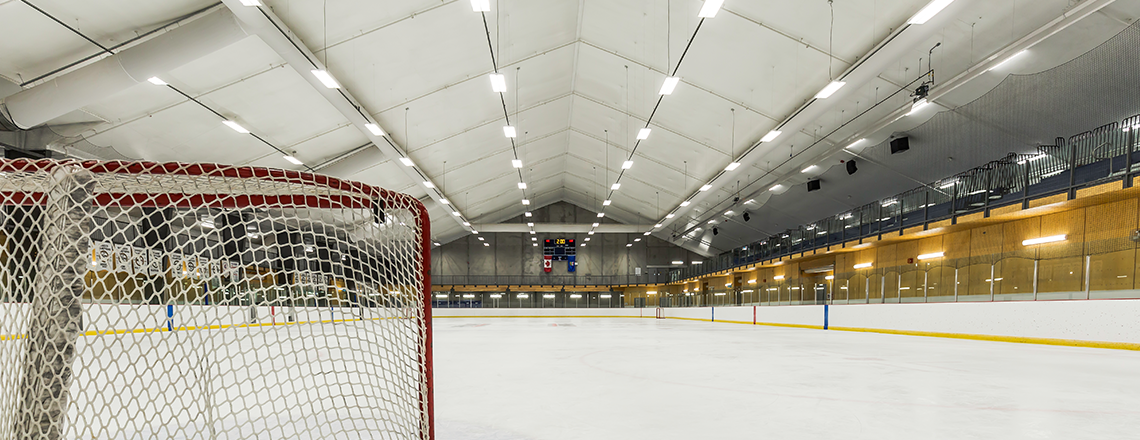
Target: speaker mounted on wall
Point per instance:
(813, 185)
(852, 167)
(900, 145)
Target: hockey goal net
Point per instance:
(147, 300)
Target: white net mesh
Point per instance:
(142, 300)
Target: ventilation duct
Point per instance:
(116, 73)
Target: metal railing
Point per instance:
(550, 280)
(1106, 154)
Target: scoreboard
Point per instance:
(559, 249)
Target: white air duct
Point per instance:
(118, 72)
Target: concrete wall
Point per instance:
(514, 254)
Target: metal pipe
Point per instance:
(119, 72)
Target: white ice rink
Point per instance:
(599, 378)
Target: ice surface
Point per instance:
(561, 378)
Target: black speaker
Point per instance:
(716, 231)
(851, 167)
(813, 185)
(900, 145)
(746, 216)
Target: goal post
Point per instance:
(168, 300)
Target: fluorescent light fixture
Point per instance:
(438, 244)
(853, 144)
(533, 238)
(407, 162)
(586, 239)
(932, 255)
(627, 165)
(575, 296)
(670, 215)
(778, 277)
(637, 239)
(752, 281)
(727, 284)
(809, 169)
(522, 185)
(698, 262)
(437, 296)
(605, 295)
(685, 203)
(706, 187)
(590, 233)
(771, 136)
(532, 233)
(483, 6)
(732, 166)
(643, 134)
(710, 8)
(863, 265)
(294, 160)
(498, 83)
(528, 214)
(496, 296)
(455, 213)
(548, 296)
(929, 11)
(629, 245)
(729, 212)
(530, 225)
(670, 84)
(209, 224)
(251, 2)
(606, 202)
(601, 214)
(509, 131)
(156, 81)
(655, 226)
(428, 184)
(776, 188)
(526, 201)
(374, 129)
(237, 127)
(480, 238)
(468, 224)
(918, 105)
(522, 295)
(678, 262)
(615, 186)
(516, 163)
(1011, 57)
(830, 89)
(325, 78)
(487, 244)
(829, 277)
(1043, 240)
(596, 224)
(651, 292)
(444, 201)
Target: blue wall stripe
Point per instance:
(170, 318)
(825, 310)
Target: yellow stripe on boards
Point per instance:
(537, 316)
(1014, 339)
(204, 327)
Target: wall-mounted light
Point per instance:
(1043, 240)
(863, 265)
(778, 277)
(931, 256)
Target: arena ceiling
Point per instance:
(582, 80)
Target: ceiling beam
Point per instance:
(569, 228)
(277, 35)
